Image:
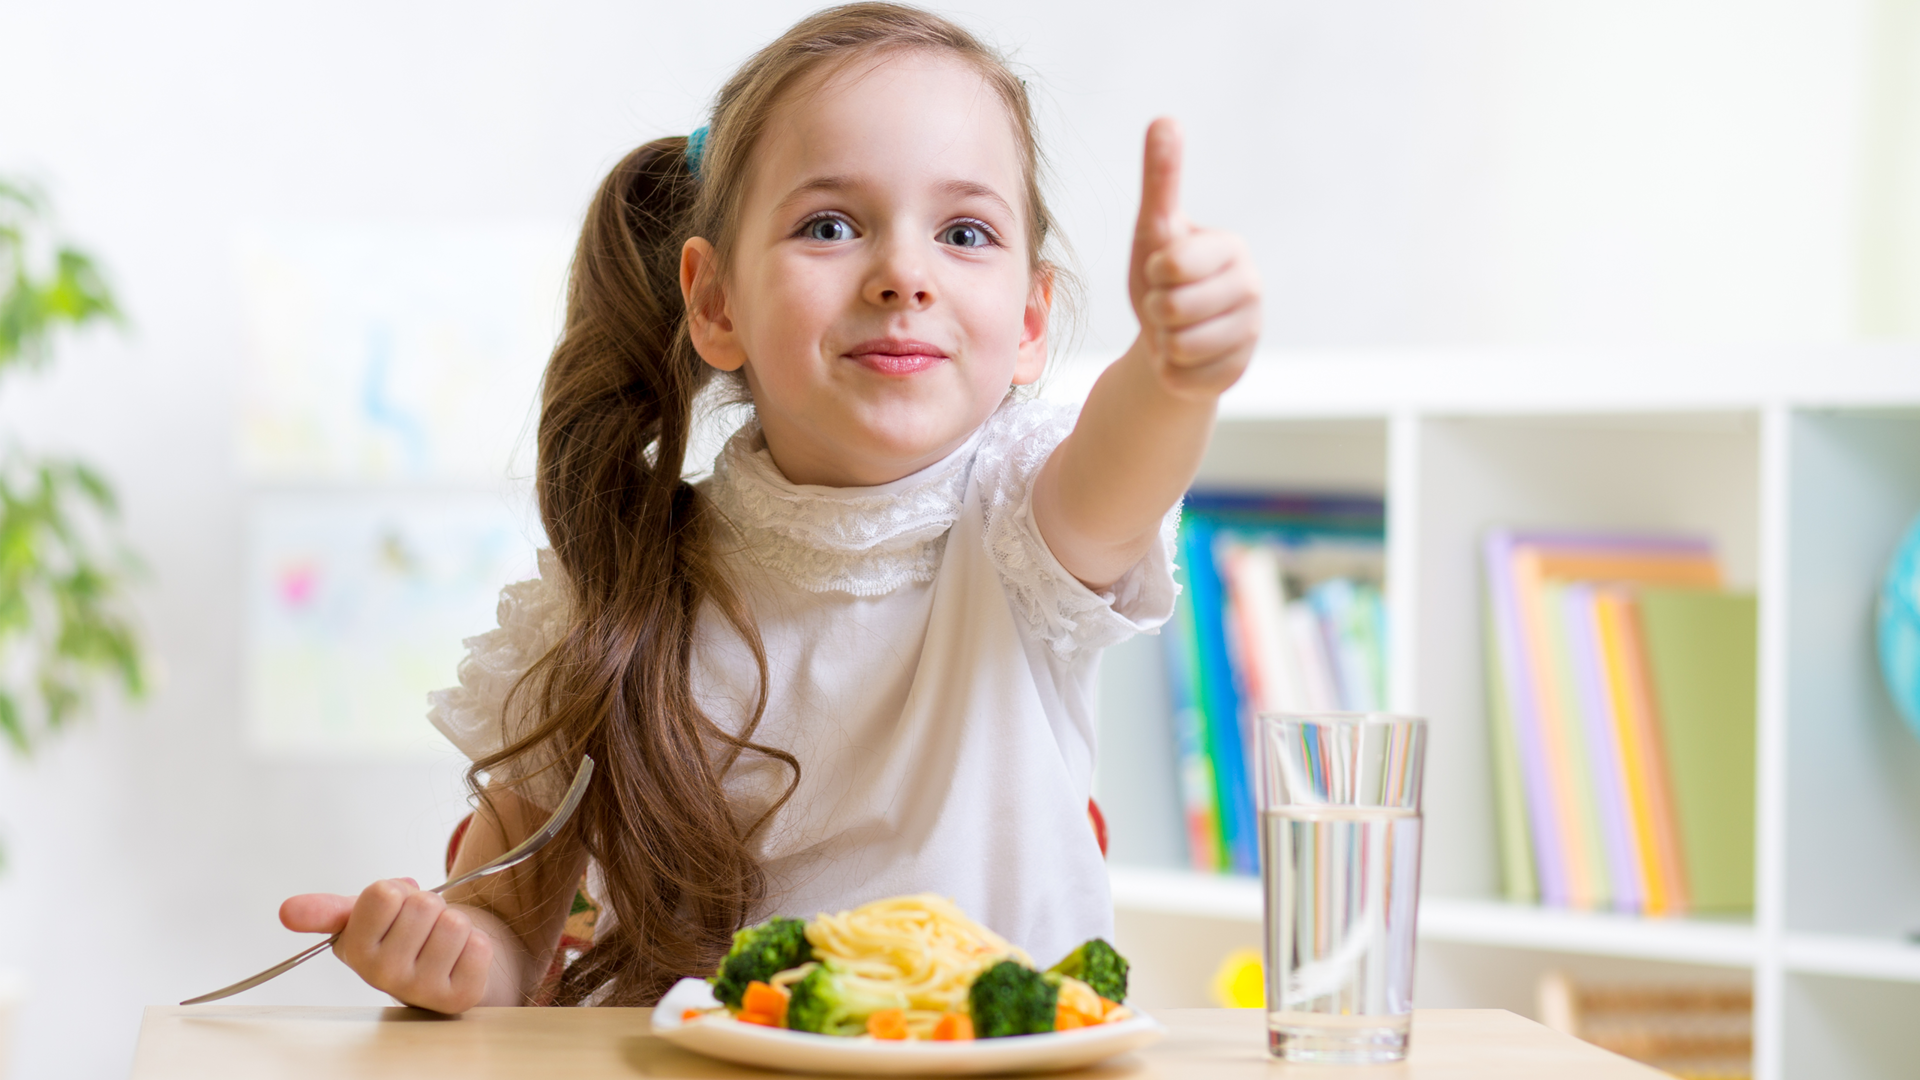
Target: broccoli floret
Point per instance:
(828, 1002)
(1010, 998)
(758, 952)
(1099, 966)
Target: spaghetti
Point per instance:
(921, 951)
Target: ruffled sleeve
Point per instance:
(1056, 606)
(533, 616)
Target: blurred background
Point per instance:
(338, 233)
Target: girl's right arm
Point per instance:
(490, 943)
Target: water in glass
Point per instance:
(1342, 885)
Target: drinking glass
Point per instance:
(1340, 864)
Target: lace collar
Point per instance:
(866, 541)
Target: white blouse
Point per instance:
(932, 667)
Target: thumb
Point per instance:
(316, 913)
(1160, 221)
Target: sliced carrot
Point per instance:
(888, 1024)
(767, 1001)
(690, 1015)
(953, 1027)
(1106, 1008)
(1066, 1018)
(757, 1018)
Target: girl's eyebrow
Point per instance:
(818, 183)
(974, 189)
(836, 183)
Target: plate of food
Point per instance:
(908, 986)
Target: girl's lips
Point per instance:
(889, 357)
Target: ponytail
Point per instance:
(637, 544)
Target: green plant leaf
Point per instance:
(70, 291)
(11, 725)
(96, 487)
(66, 625)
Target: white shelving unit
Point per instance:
(1802, 464)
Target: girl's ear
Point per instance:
(1032, 360)
(708, 322)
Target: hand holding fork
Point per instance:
(405, 939)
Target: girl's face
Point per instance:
(880, 298)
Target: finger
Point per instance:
(445, 941)
(316, 913)
(396, 960)
(1185, 305)
(468, 979)
(1159, 189)
(416, 919)
(373, 913)
(1223, 335)
(1199, 254)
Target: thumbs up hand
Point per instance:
(1194, 290)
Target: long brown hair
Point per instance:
(640, 545)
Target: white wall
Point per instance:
(1410, 173)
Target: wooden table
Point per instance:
(213, 1042)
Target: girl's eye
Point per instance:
(827, 228)
(966, 234)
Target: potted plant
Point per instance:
(65, 625)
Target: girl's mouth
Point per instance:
(889, 356)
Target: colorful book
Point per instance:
(1700, 648)
(1542, 744)
(1219, 699)
(1246, 641)
(1590, 885)
(1194, 769)
(1643, 761)
(1600, 729)
(1519, 753)
(1519, 882)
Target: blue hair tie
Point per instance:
(696, 149)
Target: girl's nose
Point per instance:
(900, 279)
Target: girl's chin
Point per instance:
(900, 445)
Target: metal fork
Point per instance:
(520, 853)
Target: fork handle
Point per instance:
(290, 963)
(273, 972)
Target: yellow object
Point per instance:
(920, 951)
(1241, 981)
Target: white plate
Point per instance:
(803, 1051)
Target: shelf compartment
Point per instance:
(1690, 473)
(1853, 769)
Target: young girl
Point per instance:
(858, 659)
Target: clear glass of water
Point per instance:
(1340, 862)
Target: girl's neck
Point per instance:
(806, 462)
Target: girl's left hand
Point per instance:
(1195, 290)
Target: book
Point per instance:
(1700, 648)
(1248, 639)
(1220, 699)
(1194, 767)
(1643, 762)
(1544, 746)
(1599, 721)
(1307, 643)
(1519, 756)
(1519, 882)
(1589, 885)
(1348, 612)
